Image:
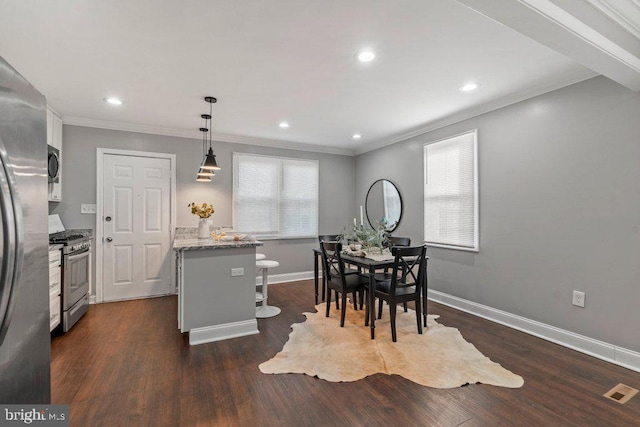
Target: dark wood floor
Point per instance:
(126, 364)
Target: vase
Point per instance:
(204, 230)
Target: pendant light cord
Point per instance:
(210, 119)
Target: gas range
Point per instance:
(73, 240)
(76, 269)
(77, 240)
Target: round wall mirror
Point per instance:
(384, 203)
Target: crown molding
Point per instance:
(557, 24)
(274, 143)
(573, 25)
(621, 12)
(373, 145)
(221, 137)
(129, 127)
(496, 104)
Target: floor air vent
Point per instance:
(621, 393)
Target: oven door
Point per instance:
(76, 270)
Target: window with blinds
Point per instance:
(274, 196)
(451, 192)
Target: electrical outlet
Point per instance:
(87, 208)
(578, 298)
(237, 272)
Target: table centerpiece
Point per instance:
(204, 211)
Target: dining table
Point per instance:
(369, 265)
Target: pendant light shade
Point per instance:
(204, 175)
(206, 172)
(210, 162)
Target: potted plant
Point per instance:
(371, 238)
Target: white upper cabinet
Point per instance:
(54, 138)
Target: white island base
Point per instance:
(213, 304)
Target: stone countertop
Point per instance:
(84, 232)
(188, 244)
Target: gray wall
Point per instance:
(559, 204)
(559, 184)
(337, 177)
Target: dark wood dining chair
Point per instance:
(326, 238)
(329, 237)
(332, 238)
(404, 284)
(399, 241)
(395, 241)
(334, 273)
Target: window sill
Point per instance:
(455, 248)
(262, 238)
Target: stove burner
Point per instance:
(63, 239)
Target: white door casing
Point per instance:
(134, 233)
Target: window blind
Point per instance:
(275, 197)
(450, 192)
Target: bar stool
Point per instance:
(264, 310)
(260, 256)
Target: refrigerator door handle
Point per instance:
(12, 245)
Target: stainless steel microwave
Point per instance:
(53, 167)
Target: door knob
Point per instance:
(109, 239)
(108, 218)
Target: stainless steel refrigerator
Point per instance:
(25, 346)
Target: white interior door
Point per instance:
(136, 227)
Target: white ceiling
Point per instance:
(273, 61)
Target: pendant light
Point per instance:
(210, 162)
(204, 130)
(204, 175)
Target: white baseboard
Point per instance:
(223, 332)
(617, 355)
(286, 277)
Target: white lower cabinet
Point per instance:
(55, 286)
(54, 313)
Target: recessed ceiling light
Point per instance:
(113, 101)
(365, 56)
(284, 125)
(356, 136)
(469, 87)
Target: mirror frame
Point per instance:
(389, 230)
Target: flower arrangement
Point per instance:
(203, 210)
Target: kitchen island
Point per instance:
(216, 288)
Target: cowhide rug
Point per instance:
(438, 358)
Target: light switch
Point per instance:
(237, 272)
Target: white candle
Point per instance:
(354, 222)
(361, 217)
